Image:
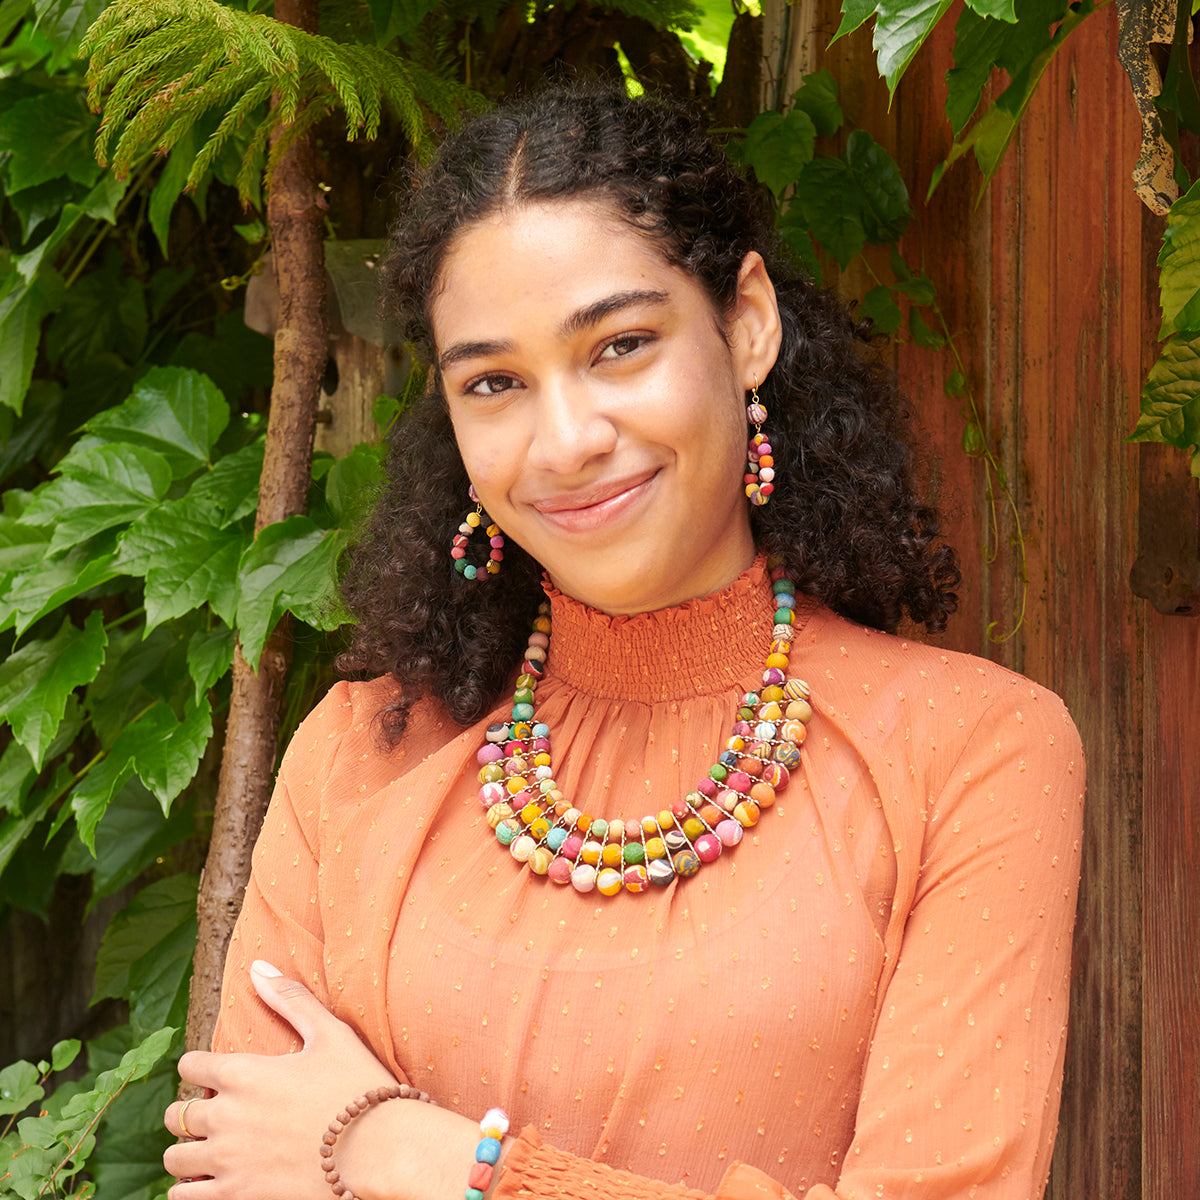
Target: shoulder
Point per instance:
(344, 735)
(944, 704)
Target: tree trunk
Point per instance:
(294, 213)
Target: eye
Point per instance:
(489, 385)
(624, 345)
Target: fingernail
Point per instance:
(262, 967)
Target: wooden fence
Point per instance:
(1051, 288)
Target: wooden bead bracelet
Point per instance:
(393, 1091)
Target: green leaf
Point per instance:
(17, 774)
(104, 313)
(384, 411)
(818, 97)
(1026, 60)
(152, 917)
(353, 483)
(21, 545)
(48, 135)
(921, 333)
(186, 561)
(822, 193)
(22, 312)
(64, 1053)
(63, 23)
(779, 146)
(131, 835)
(19, 1088)
(24, 438)
(166, 751)
(793, 228)
(30, 594)
(209, 656)
(918, 288)
(1000, 10)
(175, 412)
(92, 795)
(397, 18)
(36, 680)
(230, 490)
(15, 829)
(884, 207)
(1179, 266)
(901, 27)
(854, 13)
(162, 750)
(883, 312)
(99, 488)
(289, 567)
(169, 187)
(1170, 400)
(979, 45)
(100, 203)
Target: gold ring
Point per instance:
(187, 1133)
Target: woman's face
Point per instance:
(598, 408)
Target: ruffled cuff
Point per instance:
(533, 1169)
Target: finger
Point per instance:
(290, 999)
(185, 1118)
(205, 1188)
(199, 1068)
(187, 1160)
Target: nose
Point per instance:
(573, 427)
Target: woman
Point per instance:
(867, 996)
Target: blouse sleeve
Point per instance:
(961, 1089)
(280, 917)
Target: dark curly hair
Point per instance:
(843, 518)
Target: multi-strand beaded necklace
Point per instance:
(542, 829)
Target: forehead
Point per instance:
(545, 256)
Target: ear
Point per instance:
(755, 330)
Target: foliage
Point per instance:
(159, 66)
(131, 443)
(1171, 396)
(832, 207)
(46, 1153)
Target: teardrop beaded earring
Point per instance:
(472, 522)
(760, 470)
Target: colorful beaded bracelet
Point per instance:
(493, 1127)
(393, 1091)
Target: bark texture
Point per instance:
(294, 212)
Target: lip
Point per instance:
(588, 509)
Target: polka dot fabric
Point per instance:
(866, 998)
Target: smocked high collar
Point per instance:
(702, 647)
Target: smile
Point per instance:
(592, 508)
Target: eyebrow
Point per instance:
(583, 318)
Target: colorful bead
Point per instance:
(660, 872)
(583, 878)
(686, 862)
(787, 755)
(608, 882)
(729, 831)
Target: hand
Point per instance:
(257, 1135)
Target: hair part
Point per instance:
(844, 518)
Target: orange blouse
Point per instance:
(865, 998)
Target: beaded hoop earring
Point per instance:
(458, 551)
(760, 468)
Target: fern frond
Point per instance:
(156, 67)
